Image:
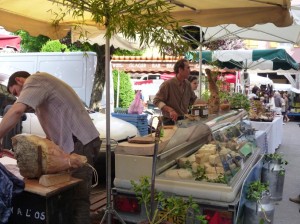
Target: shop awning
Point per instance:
(10, 41)
(271, 59)
(37, 16)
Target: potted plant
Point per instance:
(224, 100)
(273, 173)
(239, 101)
(258, 207)
(172, 206)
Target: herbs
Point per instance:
(256, 190)
(239, 101)
(278, 159)
(174, 206)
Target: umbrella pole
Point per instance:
(200, 70)
(109, 206)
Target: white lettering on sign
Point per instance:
(19, 212)
(137, 65)
(28, 211)
(38, 215)
(155, 65)
(117, 65)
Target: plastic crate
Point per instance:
(138, 120)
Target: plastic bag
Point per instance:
(136, 106)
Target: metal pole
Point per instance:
(118, 89)
(157, 137)
(200, 70)
(109, 208)
(200, 62)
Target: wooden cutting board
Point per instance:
(48, 180)
(142, 140)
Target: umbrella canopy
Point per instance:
(10, 41)
(274, 59)
(37, 16)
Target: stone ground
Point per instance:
(287, 212)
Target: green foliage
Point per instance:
(30, 43)
(122, 52)
(148, 21)
(205, 95)
(255, 190)
(54, 46)
(276, 158)
(239, 101)
(174, 206)
(126, 94)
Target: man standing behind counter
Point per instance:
(175, 95)
(65, 121)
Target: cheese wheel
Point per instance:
(179, 174)
(217, 169)
(195, 166)
(214, 159)
(202, 158)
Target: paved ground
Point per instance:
(287, 212)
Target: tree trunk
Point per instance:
(99, 81)
(214, 99)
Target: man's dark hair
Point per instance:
(12, 78)
(179, 64)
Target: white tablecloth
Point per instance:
(273, 130)
(261, 141)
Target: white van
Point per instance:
(77, 69)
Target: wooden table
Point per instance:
(38, 204)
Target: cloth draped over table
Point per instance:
(10, 186)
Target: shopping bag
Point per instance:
(136, 106)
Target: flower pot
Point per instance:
(225, 106)
(273, 173)
(254, 211)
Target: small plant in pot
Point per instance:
(276, 158)
(172, 206)
(258, 208)
(224, 100)
(239, 101)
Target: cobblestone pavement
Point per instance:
(287, 212)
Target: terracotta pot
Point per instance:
(225, 107)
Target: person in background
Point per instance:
(286, 107)
(194, 81)
(175, 95)
(65, 121)
(277, 102)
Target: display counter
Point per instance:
(183, 141)
(273, 130)
(44, 205)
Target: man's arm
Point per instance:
(11, 118)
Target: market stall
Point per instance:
(186, 140)
(274, 132)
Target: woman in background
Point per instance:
(194, 81)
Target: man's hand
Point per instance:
(173, 115)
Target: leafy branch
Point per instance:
(174, 206)
(148, 21)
